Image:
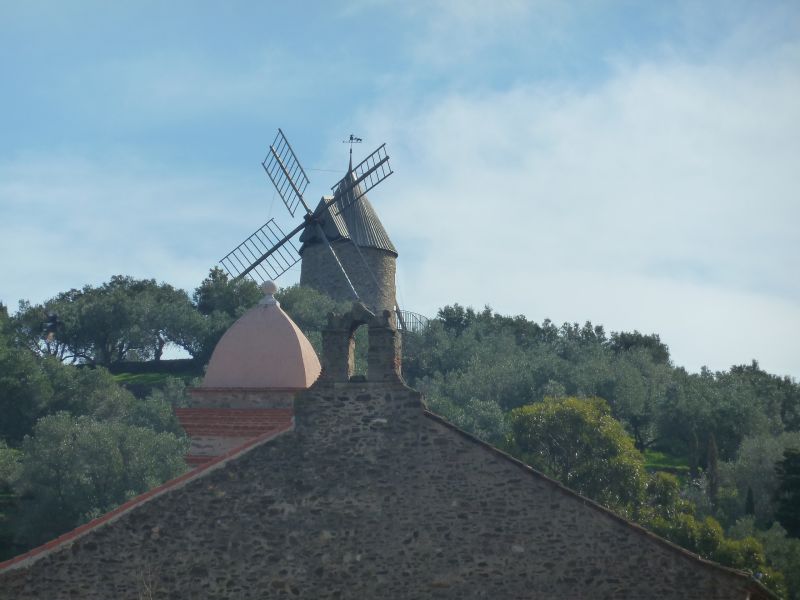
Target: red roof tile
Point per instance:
(233, 422)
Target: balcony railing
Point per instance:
(411, 321)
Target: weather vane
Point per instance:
(353, 140)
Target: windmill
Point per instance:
(333, 225)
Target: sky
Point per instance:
(635, 164)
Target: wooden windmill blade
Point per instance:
(365, 176)
(286, 173)
(265, 255)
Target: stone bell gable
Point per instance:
(367, 495)
(383, 353)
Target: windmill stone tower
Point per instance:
(345, 250)
(364, 249)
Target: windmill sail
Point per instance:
(266, 255)
(362, 178)
(286, 173)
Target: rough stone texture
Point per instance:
(319, 270)
(217, 431)
(370, 497)
(218, 420)
(200, 397)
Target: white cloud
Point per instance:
(660, 197)
(70, 221)
(664, 200)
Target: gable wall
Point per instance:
(369, 497)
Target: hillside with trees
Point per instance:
(709, 460)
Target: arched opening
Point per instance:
(359, 351)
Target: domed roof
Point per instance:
(263, 349)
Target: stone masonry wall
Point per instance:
(200, 397)
(319, 270)
(370, 496)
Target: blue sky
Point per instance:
(636, 164)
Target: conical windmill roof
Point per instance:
(358, 222)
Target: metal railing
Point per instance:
(412, 322)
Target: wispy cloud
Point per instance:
(664, 199)
(633, 164)
(71, 221)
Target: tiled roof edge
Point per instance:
(754, 584)
(31, 556)
(201, 389)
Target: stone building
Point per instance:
(363, 247)
(363, 493)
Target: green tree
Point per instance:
(750, 503)
(482, 418)
(777, 397)
(782, 552)
(25, 391)
(712, 471)
(754, 469)
(624, 341)
(9, 506)
(217, 293)
(168, 316)
(309, 308)
(706, 538)
(76, 468)
(639, 388)
(578, 442)
(788, 492)
(122, 318)
(220, 301)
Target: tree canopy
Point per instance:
(588, 407)
(578, 442)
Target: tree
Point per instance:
(624, 341)
(750, 503)
(9, 473)
(639, 389)
(781, 552)
(168, 316)
(482, 418)
(788, 493)
(309, 308)
(220, 301)
(712, 471)
(777, 397)
(694, 455)
(25, 392)
(753, 471)
(122, 318)
(217, 293)
(578, 442)
(76, 468)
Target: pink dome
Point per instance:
(263, 349)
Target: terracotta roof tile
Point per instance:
(233, 422)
